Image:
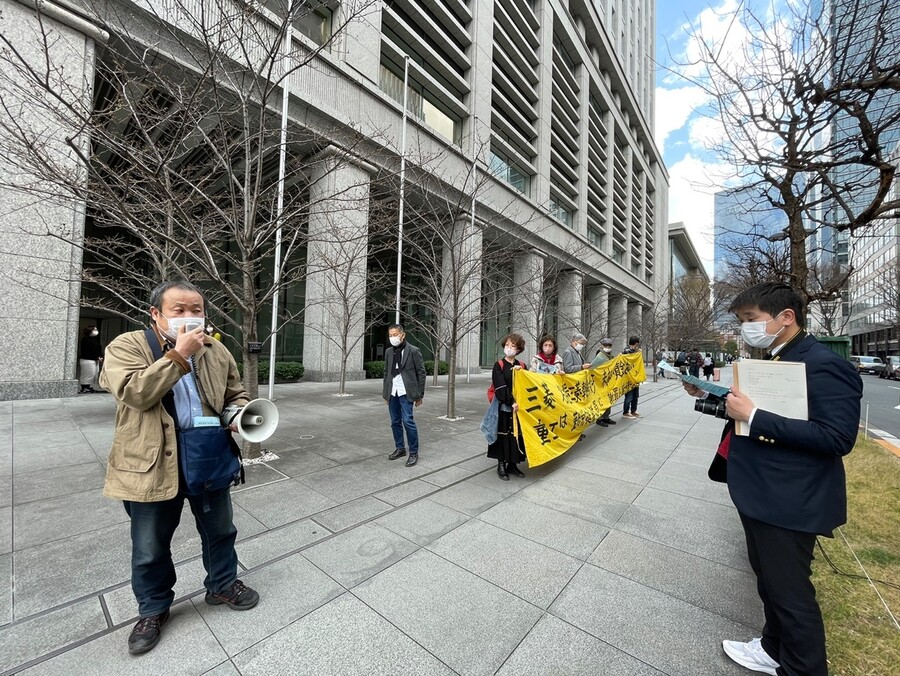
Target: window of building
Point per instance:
(314, 21)
(560, 213)
(420, 102)
(618, 255)
(504, 169)
(595, 237)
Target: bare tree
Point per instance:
(448, 250)
(807, 105)
(692, 317)
(655, 321)
(180, 149)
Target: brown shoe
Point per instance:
(145, 635)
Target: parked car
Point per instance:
(891, 368)
(867, 364)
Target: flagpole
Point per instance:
(282, 153)
(402, 185)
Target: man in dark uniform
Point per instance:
(787, 480)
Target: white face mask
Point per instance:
(395, 340)
(607, 350)
(175, 324)
(95, 333)
(510, 351)
(755, 334)
(578, 346)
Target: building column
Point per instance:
(528, 301)
(570, 304)
(635, 318)
(461, 270)
(618, 318)
(596, 315)
(40, 239)
(337, 258)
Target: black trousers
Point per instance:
(794, 635)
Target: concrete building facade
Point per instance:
(552, 98)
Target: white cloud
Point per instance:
(693, 182)
(673, 109)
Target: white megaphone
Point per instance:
(255, 422)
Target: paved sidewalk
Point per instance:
(618, 558)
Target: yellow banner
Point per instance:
(555, 409)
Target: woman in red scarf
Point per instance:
(547, 360)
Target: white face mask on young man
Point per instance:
(756, 335)
(395, 340)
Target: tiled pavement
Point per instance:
(618, 558)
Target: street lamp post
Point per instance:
(282, 153)
(402, 185)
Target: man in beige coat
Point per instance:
(143, 469)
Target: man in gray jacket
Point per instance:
(404, 385)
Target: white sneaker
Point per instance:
(750, 655)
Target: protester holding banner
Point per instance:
(604, 354)
(573, 362)
(509, 449)
(547, 360)
(631, 397)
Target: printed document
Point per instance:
(775, 386)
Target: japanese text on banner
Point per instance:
(555, 409)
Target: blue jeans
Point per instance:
(152, 526)
(631, 399)
(401, 409)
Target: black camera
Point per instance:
(714, 407)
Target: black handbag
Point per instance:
(209, 459)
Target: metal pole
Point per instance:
(472, 231)
(402, 184)
(282, 152)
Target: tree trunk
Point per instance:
(251, 360)
(451, 378)
(437, 363)
(799, 265)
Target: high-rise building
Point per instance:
(741, 219)
(554, 97)
(864, 33)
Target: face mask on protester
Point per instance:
(755, 334)
(175, 324)
(395, 340)
(548, 350)
(95, 333)
(578, 346)
(510, 351)
(607, 350)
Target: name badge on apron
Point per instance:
(206, 421)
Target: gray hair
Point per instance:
(579, 337)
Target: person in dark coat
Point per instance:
(402, 390)
(90, 357)
(509, 449)
(787, 480)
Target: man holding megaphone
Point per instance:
(171, 383)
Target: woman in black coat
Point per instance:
(508, 450)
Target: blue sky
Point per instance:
(682, 133)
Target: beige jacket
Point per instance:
(143, 460)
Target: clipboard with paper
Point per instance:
(776, 386)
